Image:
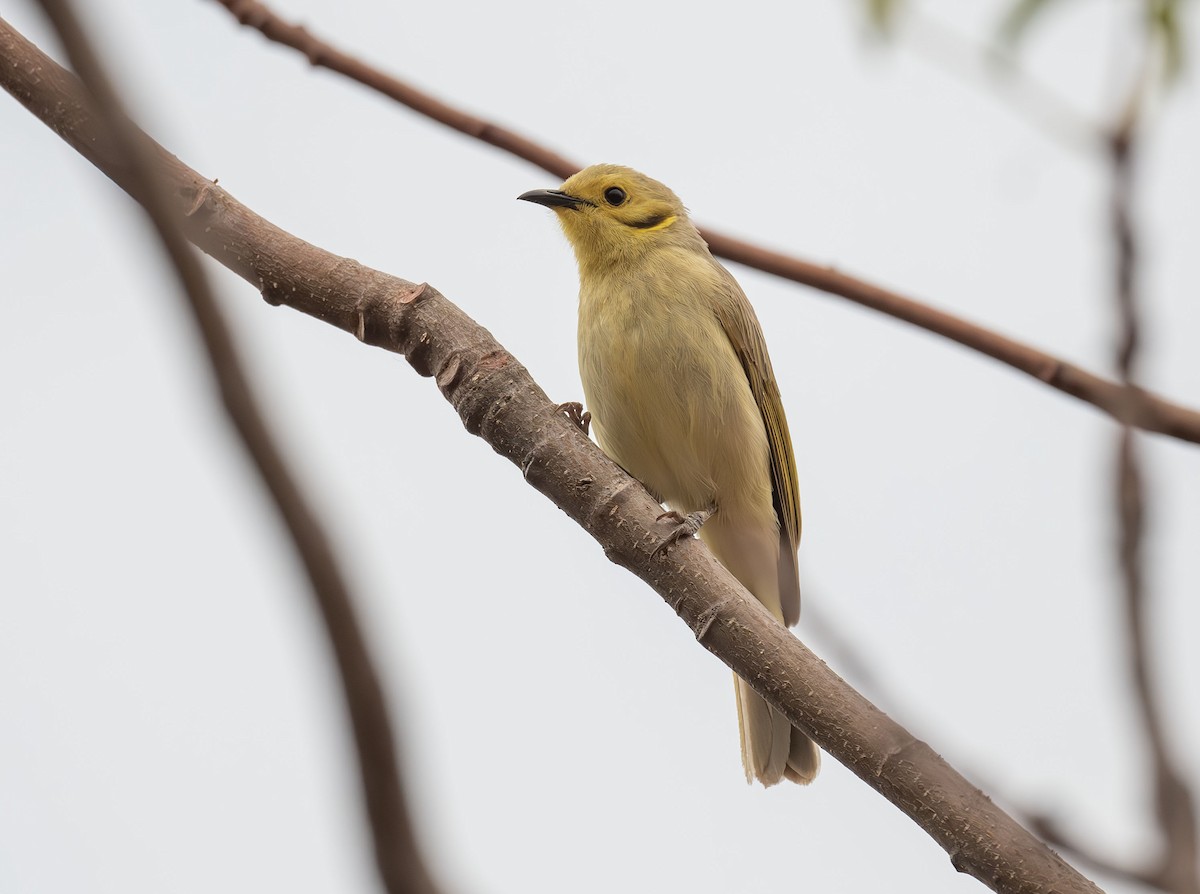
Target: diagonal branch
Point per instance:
(1147, 411)
(398, 856)
(497, 400)
(1050, 830)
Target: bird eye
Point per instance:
(614, 195)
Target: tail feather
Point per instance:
(772, 749)
(804, 759)
(750, 547)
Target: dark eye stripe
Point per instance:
(647, 222)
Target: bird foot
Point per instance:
(685, 526)
(575, 412)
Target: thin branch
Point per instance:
(1053, 834)
(1174, 804)
(1177, 868)
(841, 650)
(1149, 411)
(498, 400)
(397, 854)
(1152, 873)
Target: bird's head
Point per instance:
(613, 214)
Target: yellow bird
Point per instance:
(677, 378)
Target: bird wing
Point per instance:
(737, 318)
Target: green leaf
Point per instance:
(1164, 26)
(882, 15)
(1015, 24)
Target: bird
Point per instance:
(681, 394)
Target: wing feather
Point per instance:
(737, 318)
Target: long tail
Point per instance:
(772, 749)
(749, 547)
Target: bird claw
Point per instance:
(685, 526)
(575, 412)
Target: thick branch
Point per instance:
(497, 399)
(397, 853)
(1147, 411)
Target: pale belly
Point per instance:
(671, 404)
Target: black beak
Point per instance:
(552, 198)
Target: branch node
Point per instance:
(706, 619)
(896, 754)
(249, 12)
(450, 374)
(459, 365)
(957, 861)
(416, 352)
(676, 600)
(527, 462)
(494, 360)
(271, 292)
(313, 49)
(1049, 371)
(200, 199)
(416, 293)
(374, 316)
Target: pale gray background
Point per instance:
(168, 717)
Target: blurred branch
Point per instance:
(1174, 805)
(844, 652)
(497, 399)
(1050, 830)
(1149, 411)
(1176, 868)
(1053, 834)
(1034, 101)
(134, 160)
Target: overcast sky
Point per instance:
(169, 719)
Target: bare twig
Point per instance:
(1056, 836)
(497, 399)
(842, 651)
(1176, 868)
(398, 857)
(1149, 411)
(1174, 804)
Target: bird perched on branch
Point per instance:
(681, 393)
